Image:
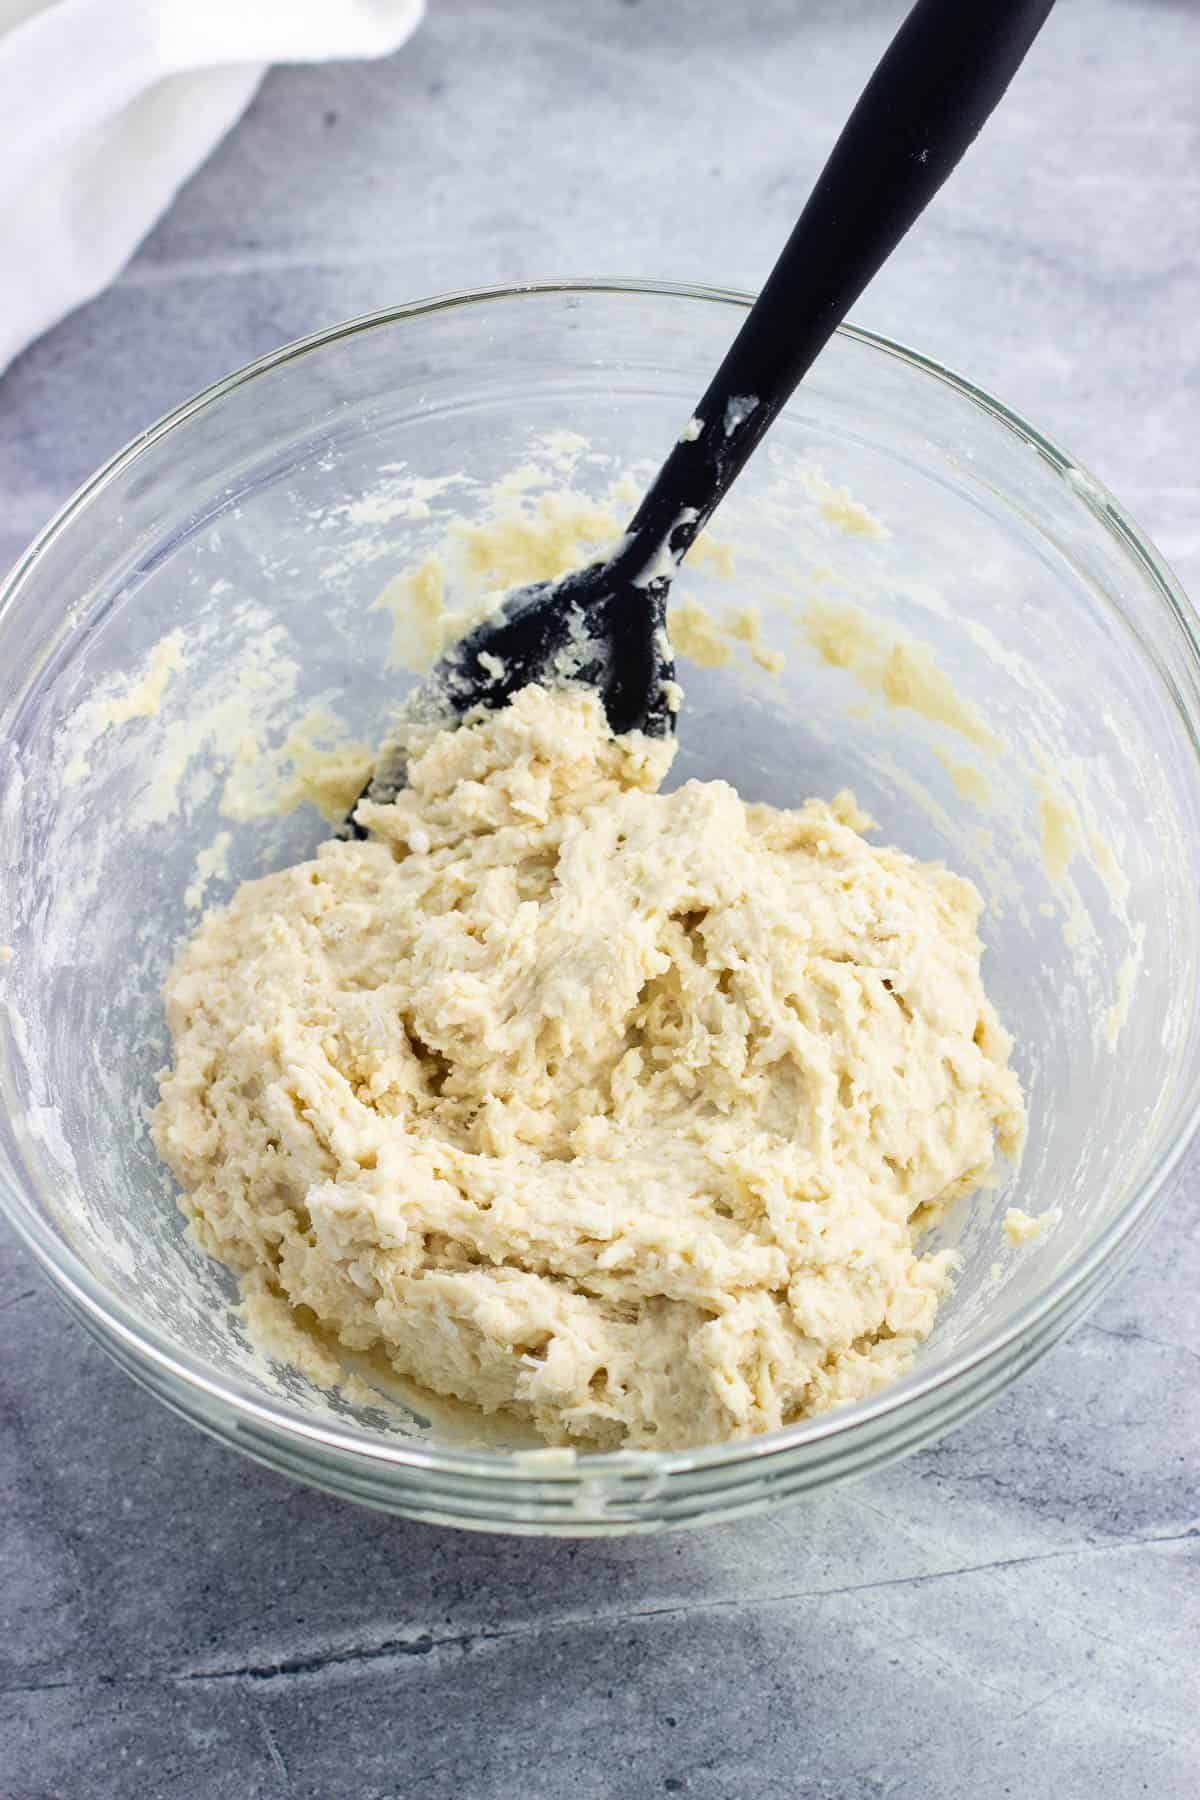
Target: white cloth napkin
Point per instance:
(106, 106)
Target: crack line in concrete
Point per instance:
(318, 1662)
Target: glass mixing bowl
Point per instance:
(1019, 693)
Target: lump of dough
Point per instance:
(619, 1109)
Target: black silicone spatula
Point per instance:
(605, 624)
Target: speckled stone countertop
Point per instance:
(1014, 1611)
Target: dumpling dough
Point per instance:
(619, 1109)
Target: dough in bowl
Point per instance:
(618, 1109)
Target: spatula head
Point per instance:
(593, 627)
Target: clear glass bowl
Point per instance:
(260, 521)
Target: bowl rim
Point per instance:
(152, 1345)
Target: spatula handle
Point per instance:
(938, 82)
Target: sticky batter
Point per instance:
(620, 1109)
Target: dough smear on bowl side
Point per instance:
(619, 1110)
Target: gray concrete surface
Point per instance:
(1015, 1611)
